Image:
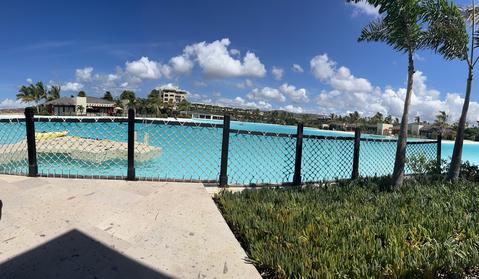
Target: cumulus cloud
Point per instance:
(84, 74)
(245, 84)
(277, 73)
(181, 64)
(144, 68)
(293, 109)
(364, 8)
(72, 86)
(297, 68)
(265, 94)
(216, 61)
(296, 95)
(340, 79)
(29, 80)
(11, 104)
(425, 102)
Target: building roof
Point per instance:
(71, 101)
(173, 90)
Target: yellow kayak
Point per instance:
(50, 135)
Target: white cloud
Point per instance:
(84, 74)
(181, 64)
(245, 84)
(72, 86)
(216, 61)
(11, 104)
(293, 109)
(242, 103)
(425, 102)
(340, 79)
(297, 68)
(266, 93)
(322, 67)
(297, 95)
(364, 8)
(277, 73)
(235, 52)
(144, 68)
(29, 80)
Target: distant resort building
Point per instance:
(172, 95)
(205, 115)
(80, 106)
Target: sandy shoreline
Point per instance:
(465, 142)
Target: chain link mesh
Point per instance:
(377, 156)
(13, 147)
(326, 158)
(81, 147)
(187, 151)
(260, 158)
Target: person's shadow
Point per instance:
(75, 255)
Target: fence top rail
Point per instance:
(177, 122)
(12, 119)
(258, 133)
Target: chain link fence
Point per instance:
(86, 147)
(81, 147)
(13, 147)
(186, 151)
(260, 158)
(326, 158)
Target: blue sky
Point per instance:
(221, 52)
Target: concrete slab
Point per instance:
(74, 228)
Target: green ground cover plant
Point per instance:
(425, 229)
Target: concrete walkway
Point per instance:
(67, 228)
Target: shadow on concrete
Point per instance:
(75, 255)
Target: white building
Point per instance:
(172, 95)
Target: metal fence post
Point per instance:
(299, 155)
(131, 145)
(31, 145)
(357, 143)
(224, 151)
(438, 154)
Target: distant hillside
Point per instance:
(12, 111)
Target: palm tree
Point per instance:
(441, 121)
(155, 101)
(32, 93)
(455, 166)
(417, 119)
(54, 93)
(107, 96)
(408, 26)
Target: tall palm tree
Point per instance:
(470, 16)
(441, 121)
(54, 93)
(33, 93)
(155, 101)
(408, 26)
(417, 119)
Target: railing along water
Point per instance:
(181, 150)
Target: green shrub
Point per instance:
(355, 230)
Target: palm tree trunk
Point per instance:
(398, 174)
(455, 167)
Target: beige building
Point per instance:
(384, 129)
(173, 95)
(415, 128)
(80, 106)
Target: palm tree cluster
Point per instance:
(411, 25)
(36, 93)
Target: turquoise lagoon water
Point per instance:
(193, 153)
